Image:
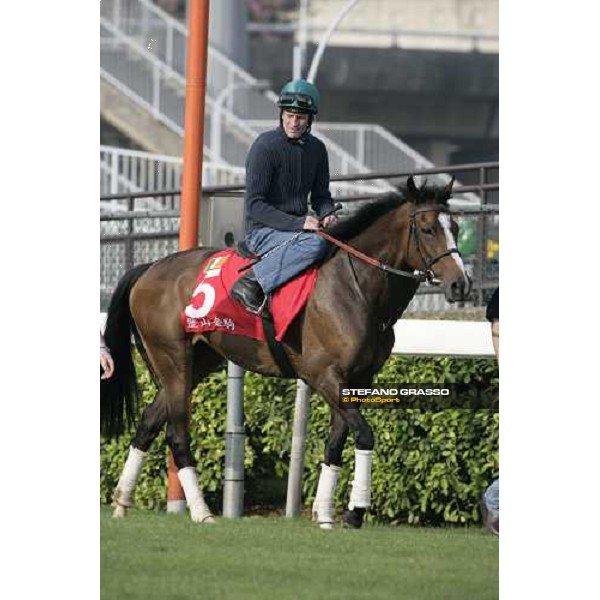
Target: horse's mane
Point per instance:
(366, 215)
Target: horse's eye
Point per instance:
(427, 230)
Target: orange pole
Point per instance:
(195, 90)
(191, 187)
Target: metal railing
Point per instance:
(143, 55)
(371, 145)
(123, 170)
(158, 89)
(144, 226)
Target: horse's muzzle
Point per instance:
(458, 290)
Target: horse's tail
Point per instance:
(119, 394)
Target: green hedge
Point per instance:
(428, 467)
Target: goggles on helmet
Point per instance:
(295, 100)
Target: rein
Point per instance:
(424, 275)
(420, 276)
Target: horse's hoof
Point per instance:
(327, 515)
(203, 518)
(120, 512)
(353, 519)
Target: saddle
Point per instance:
(212, 309)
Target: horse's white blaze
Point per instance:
(445, 222)
(199, 510)
(322, 508)
(361, 485)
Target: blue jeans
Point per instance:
(287, 262)
(492, 496)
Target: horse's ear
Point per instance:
(412, 188)
(447, 191)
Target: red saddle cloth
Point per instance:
(212, 309)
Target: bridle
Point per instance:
(425, 274)
(427, 263)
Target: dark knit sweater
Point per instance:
(279, 176)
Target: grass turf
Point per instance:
(167, 557)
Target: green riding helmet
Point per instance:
(299, 95)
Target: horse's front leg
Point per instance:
(349, 419)
(360, 497)
(322, 509)
(152, 421)
(178, 439)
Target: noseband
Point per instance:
(427, 263)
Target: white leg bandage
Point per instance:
(361, 486)
(199, 510)
(123, 494)
(322, 509)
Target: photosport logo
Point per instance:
(421, 396)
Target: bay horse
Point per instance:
(343, 335)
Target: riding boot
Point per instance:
(249, 294)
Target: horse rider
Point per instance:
(283, 167)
